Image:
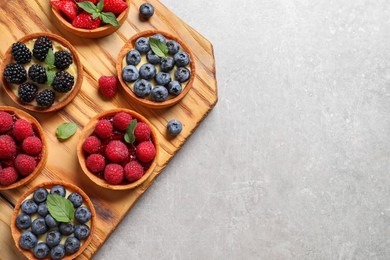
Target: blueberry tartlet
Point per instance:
(54, 220)
(156, 69)
(41, 72)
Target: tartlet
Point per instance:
(42, 156)
(121, 63)
(98, 178)
(61, 99)
(17, 233)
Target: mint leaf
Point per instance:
(88, 7)
(109, 18)
(129, 136)
(158, 47)
(66, 130)
(60, 208)
(95, 15)
(100, 6)
(50, 75)
(49, 60)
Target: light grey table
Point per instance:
(293, 163)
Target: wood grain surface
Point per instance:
(21, 17)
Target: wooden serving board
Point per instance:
(21, 17)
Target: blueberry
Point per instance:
(146, 10)
(38, 226)
(159, 93)
(167, 64)
(82, 214)
(29, 207)
(174, 127)
(153, 58)
(142, 45)
(76, 199)
(72, 245)
(181, 59)
(174, 88)
(40, 195)
(23, 221)
(182, 74)
(50, 221)
(41, 250)
(57, 252)
(133, 57)
(173, 47)
(160, 37)
(82, 231)
(58, 190)
(67, 228)
(142, 88)
(42, 209)
(147, 71)
(130, 73)
(53, 238)
(28, 240)
(163, 78)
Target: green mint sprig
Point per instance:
(129, 136)
(158, 47)
(66, 130)
(96, 11)
(60, 208)
(49, 61)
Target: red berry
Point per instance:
(122, 120)
(146, 151)
(7, 147)
(92, 144)
(133, 171)
(8, 176)
(108, 85)
(85, 21)
(117, 151)
(104, 128)
(5, 122)
(25, 164)
(113, 174)
(22, 129)
(96, 163)
(69, 8)
(142, 132)
(114, 6)
(32, 145)
(92, 1)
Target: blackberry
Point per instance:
(37, 73)
(21, 53)
(27, 92)
(45, 98)
(41, 48)
(15, 73)
(62, 59)
(63, 82)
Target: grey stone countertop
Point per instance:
(294, 161)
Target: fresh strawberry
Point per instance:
(92, 1)
(85, 21)
(114, 6)
(108, 85)
(67, 7)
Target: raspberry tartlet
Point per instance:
(54, 220)
(41, 72)
(23, 148)
(156, 69)
(118, 149)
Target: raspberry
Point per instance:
(108, 85)
(133, 171)
(8, 176)
(5, 122)
(142, 132)
(113, 174)
(25, 164)
(122, 120)
(146, 151)
(22, 129)
(103, 128)
(95, 163)
(7, 147)
(92, 144)
(32, 145)
(117, 151)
